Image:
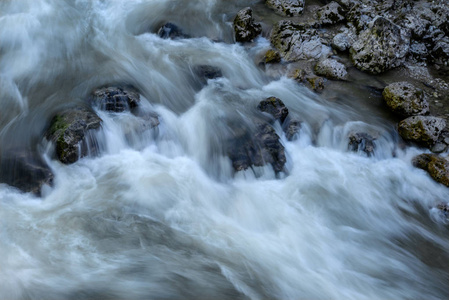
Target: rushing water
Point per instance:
(160, 214)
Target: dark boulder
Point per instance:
(245, 27)
(435, 165)
(24, 170)
(72, 133)
(115, 99)
(275, 107)
(249, 148)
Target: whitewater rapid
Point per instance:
(159, 213)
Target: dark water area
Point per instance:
(159, 212)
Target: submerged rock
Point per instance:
(331, 68)
(380, 47)
(421, 129)
(275, 107)
(331, 13)
(405, 99)
(296, 41)
(435, 165)
(25, 170)
(71, 130)
(171, 31)
(244, 26)
(256, 148)
(292, 129)
(288, 8)
(205, 72)
(115, 99)
(361, 141)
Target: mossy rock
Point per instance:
(68, 131)
(405, 99)
(435, 165)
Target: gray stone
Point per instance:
(405, 99)
(423, 130)
(343, 41)
(331, 68)
(244, 26)
(288, 8)
(331, 13)
(380, 48)
(296, 41)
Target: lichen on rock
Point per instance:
(245, 27)
(405, 99)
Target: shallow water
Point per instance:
(159, 213)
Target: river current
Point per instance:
(159, 213)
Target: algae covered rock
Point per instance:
(380, 47)
(244, 26)
(288, 8)
(71, 132)
(405, 99)
(296, 41)
(331, 68)
(275, 107)
(421, 129)
(435, 165)
(272, 56)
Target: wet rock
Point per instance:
(296, 41)
(292, 129)
(72, 133)
(405, 99)
(330, 68)
(380, 47)
(331, 13)
(205, 72)
(435, 165)
(361, 141)
(288, 8)
(115, 99)
(171, 31)
(275, 107)
(244, 26)
(421, 129)
(272, 57)
(257, 148)
(24, 170)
